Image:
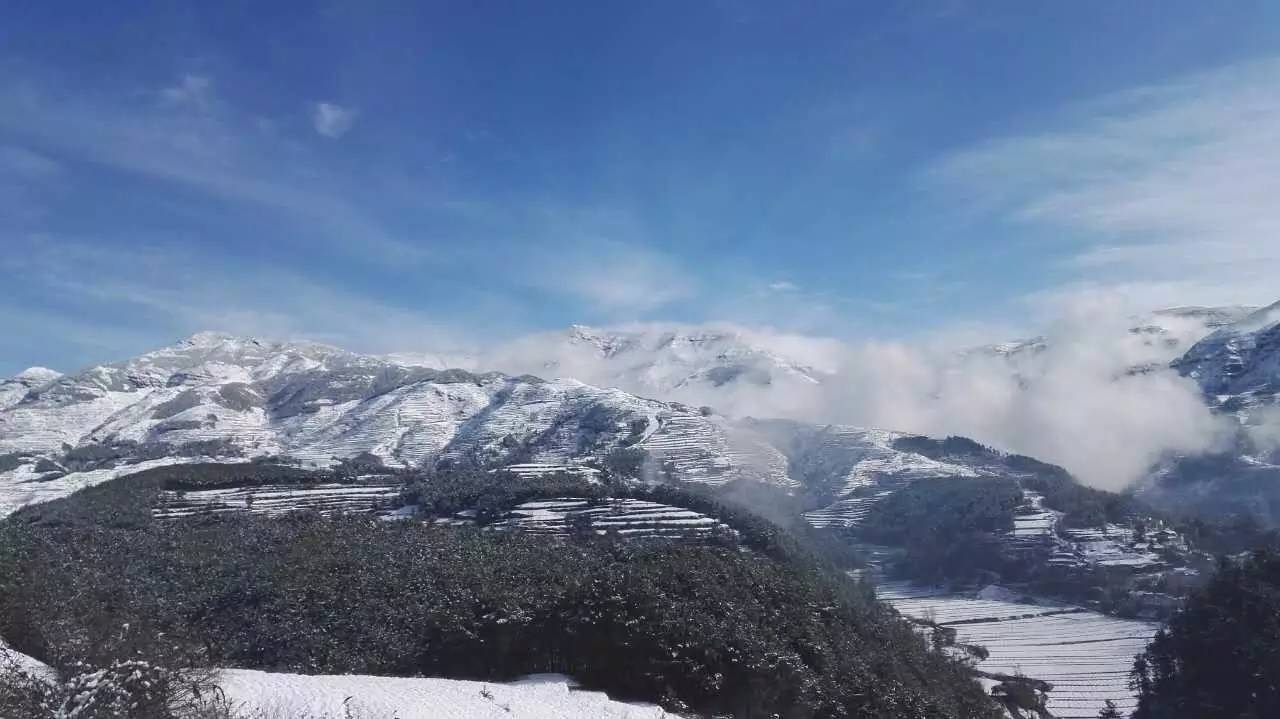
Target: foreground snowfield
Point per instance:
(270, 695)
(549, 696)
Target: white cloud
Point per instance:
(1075, 403)
(783, 286)
(613, 277)
(1169, 190)
(26, 180)
(193, 90)
(332, 121)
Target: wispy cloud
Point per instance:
(613, 277)
(26, 177)
(191, 90)
(192, 140)
(26, 164)
(332, 121)
(1168, 189)
(157, 293)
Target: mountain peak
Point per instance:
(37, 375)
(1211, 317)
(209, 338)
(1238, 366)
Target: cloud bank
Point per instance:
(1092, 394)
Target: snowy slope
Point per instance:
(220, 397)
(1238, 366)
(372, 697)
(12, 390)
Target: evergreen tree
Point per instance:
(1110, 711)
(1220, 657)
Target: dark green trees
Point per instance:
(1220, 657)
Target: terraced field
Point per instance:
(704, 450)
(533, 470)
(631, 518)
(1034, 526)
(1111, 546)
(1086, 656)
(846, 512)
(375, 494)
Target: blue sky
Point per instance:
(425, 176)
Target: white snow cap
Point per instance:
(37, 375)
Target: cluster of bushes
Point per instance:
(492, 493)
(132, 689)
(705, 628)
(121, 451)
(948, 527)
(1081, 506)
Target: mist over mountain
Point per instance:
(1094, 393)
(1107, 396)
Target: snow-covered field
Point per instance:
(1085, 655)
(297, 696)
(269, 695)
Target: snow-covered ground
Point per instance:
(12, 658)
(1085, 655)
(270, 695)
(297, 696)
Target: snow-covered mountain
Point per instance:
(1164, 333)
(226, 397)
(1238, 366)
(221, 397)
(12, 390)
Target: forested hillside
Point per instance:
(716, 627)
